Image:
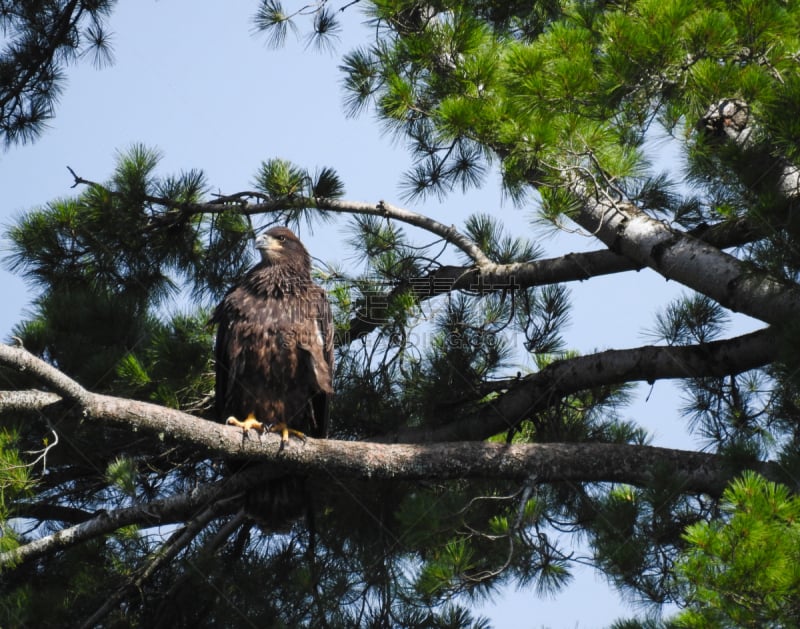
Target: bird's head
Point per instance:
(279, 245)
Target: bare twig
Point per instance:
(42, 454)
(514, 528)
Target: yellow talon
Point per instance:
(250, 422)
(285, 431)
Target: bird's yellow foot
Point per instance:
(250, 422)
(283, 429)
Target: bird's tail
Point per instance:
(278, 503)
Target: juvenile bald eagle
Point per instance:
(274, 348)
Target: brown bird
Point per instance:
(274, 348)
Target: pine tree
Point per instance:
(40, 38)
(741, 569)
(449, 471)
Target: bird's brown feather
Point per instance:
(274, 347)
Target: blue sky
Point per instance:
(191, 79)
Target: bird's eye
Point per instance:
(281, 238)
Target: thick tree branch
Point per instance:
(397, 461)
(680, 257)
(531, 394)
(538, 391)
(323, 459)
(575, 462)
(23, 361)
(26, 402)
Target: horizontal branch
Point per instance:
(591, 462)
(529, 395)
(176, 508)
(266, 205)
(27, 401)
(567, 268)
(571, 267)
(577, 462)
(325, 459)
(538, 391)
